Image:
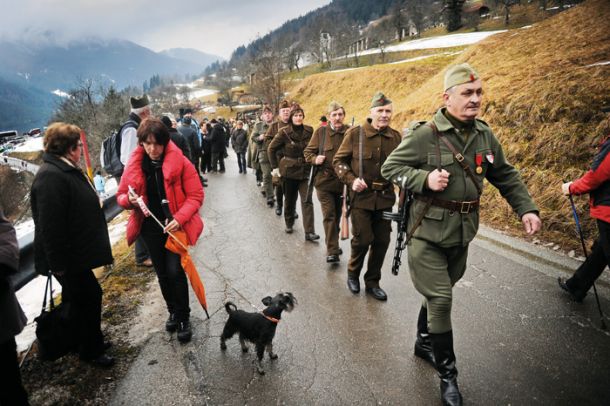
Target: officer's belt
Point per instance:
(296, 159)
(380, 186)
(464, 207)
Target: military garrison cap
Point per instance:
(284, 104)
(380, 100)
(459, 74)
(139, 101)
(334, 105)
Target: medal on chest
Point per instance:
(478, 159)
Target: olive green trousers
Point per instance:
(434, 270)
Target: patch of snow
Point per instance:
(525, 27)
(24, 228)
(209, 109)
(345, 70)
(116, 232)
(195, 94)
(60, 93)
(598, 64)
(443, 41)
(30, 298)
(31, 145)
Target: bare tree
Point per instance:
(267, 79)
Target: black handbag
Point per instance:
(53, 330)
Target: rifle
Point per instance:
(344, 215)
(315, 168)
(402, 219)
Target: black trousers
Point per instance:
(11, 388)
(171, 276)
(218, 161)
(83, 295)
(598, 259)
(206, 160)
(279, 194)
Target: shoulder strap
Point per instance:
(360, 165)
(458, 157)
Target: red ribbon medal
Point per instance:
(478, 159)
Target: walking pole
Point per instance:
(584, 248)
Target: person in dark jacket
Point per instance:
(218, 141)
(177, 137)
(596, 182)
(206, 147)
(239, 140)
(71, 236)
(190, 135)
(12, 319)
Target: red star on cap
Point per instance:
(472, 79)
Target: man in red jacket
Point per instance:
(596, 182)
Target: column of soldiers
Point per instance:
(442, 163)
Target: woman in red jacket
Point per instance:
(169, 185)
(596, 182)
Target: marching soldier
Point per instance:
(259, 153)
(358, 164)
(294, 170)
(444, 163)
(321, 152)
(282, 121)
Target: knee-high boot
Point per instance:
(423, 346)
(442, 345)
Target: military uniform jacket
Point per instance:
(272, 131)
(416, 156)
(260, 128)
(292, 165)
(326, 178)
(376, 147)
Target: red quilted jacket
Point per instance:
(182, 187)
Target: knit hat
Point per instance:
(138, 102)
(267, 108)
(167, 121)
(188, 111)
(334, 105)
(459, 74)
(380, 100)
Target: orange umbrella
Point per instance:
(177, 244)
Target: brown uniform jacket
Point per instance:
(376, 146)
(293, 164)
(326, 178)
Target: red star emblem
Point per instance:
(472, 79)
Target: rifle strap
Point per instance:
(321, 146)
(458, 157)
(360, 141)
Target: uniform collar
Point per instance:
(370, 131)
(443, 123)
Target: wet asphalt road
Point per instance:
(518, 339)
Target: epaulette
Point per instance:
(410, 129)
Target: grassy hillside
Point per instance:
(542, 98)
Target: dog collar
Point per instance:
(273, 319)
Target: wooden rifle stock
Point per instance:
(344, 216)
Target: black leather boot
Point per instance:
(423, 345)
(442, 346)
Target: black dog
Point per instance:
(258, 328)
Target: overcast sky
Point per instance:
(212, 26)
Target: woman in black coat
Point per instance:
(71, 236)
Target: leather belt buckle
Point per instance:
(465, 207)
(459, 157)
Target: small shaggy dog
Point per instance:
(258, 328)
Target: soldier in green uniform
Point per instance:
(358, 164)
(258, 136)
(329, 189)
(283, 120)
(443, 163)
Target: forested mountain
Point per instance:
(191, 55)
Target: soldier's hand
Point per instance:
(320, 159)
(438, 180)
(565, 188)
(531, 223)
(359, 185)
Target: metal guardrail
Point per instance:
(26, 246)
(19, 164)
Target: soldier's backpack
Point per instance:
(110, 154)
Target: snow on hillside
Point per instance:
(443, 41)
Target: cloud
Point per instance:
(208, 25)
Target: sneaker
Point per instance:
(184, 332)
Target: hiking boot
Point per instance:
(171, 324)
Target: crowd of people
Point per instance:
(442, 162)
